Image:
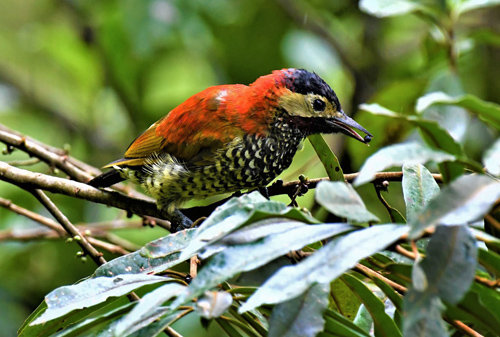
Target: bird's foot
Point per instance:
(264, 191)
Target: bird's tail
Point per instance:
(106, 179)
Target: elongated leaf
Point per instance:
(89, 323)
(451, 262)
(61, 324)
(327, 157)
(342, 200)
(490, 260)
(487, 111)
(449, 269)
(363, 318)
(483, 304)
(156, 257)
(350, 327)
(237, 212)
(301, 316)
(463, 201)
(423, 316)
(91, 292)
(395, 298)
(385, 8)
(397, 155)
(343, 299)
(236, 259)
(434, 135)
(492, 159)
(325, 265)
(419, 187)
(168, 245)
(384, 325)
(337, 328)
(469, 5)
(143, 313)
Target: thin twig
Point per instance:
(372, 273)
(68, 226)
(467, 330)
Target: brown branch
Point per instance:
(68, 226)
(464, 328)
(49, 157)
(55, 227)
(75, 189)
(372, 273)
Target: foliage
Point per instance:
(346, 263)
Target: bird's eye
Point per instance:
(319, 105)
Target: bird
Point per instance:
(229, 138)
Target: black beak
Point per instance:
(345, 124)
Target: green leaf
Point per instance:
(343, 300)
(325, 265)
(482, 305)
(147, 309)
(244, 257)
(156, 257)
(301, 316)
(435, 136)
(384, 325)
(67, 321)
(168, 245)
(490, 260)
(342, 200)
(419, 187)
(88, 324)
(464, 6)
(385, 8)
(491, 159)
(363, 318)
(336, 324)
(423, 316)
(465, 200)
(449, 270)
(395, 298)
(327, 157)
(91, 292)
(488, 111)
(397, 155)
(451, 262)
(236, 213)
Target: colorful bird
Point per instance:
(229, 138)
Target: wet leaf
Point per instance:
(397, 155)
(244, 257)
(301, 316)
(327, 157)
(465, 200)
(342, 200)
(384, 325)
(91, 292)
(487, 111)
(325, 265)
(419, 187)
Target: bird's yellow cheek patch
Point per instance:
(296, 105)
(302, 105)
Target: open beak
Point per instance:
(345, 124)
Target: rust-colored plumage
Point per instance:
(230, 137)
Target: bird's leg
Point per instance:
(236, 194)
(178, 221)
(264, 191)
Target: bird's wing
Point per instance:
(192, 132)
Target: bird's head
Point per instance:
(311, 105)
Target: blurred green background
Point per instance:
(89, 76)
